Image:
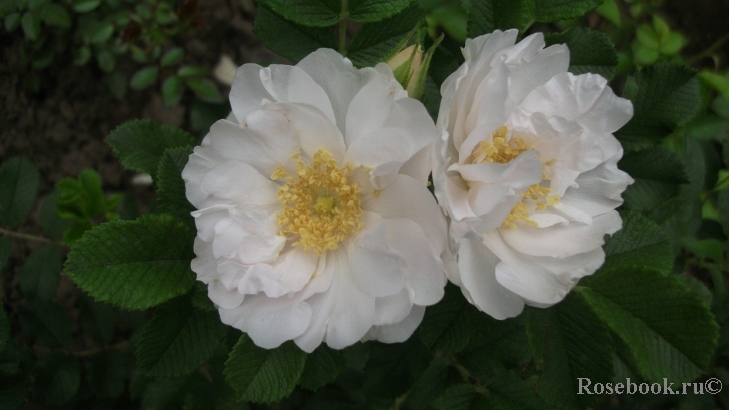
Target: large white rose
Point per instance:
(314, 218)
(526, 168)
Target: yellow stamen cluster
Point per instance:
(319, 205)
(502, 151)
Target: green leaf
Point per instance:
(722, 203)
(461, 397)
(664, 97)
(19, 181)
(289, 39)
(376, 42)
(656, 180)
(117, 83)
(107, 374)
(179, 339)
(134, 264)
(144, 77)
(609, 9)
(52, 224)
(172, 57)
(84, 6)
(547, 11)
(101, 32)
(569, 343)
(371, 11)
(205, 89)
(76, 231)
(590, 51)
(191, 71)
(639, 243)
(670, 331)
(97, 320)
(45, 321)
(322, 366)
(262, 375)
(170, 185)
(485, 16)
(430, 384)
(41, 273)
(31, 25)
(672, 45)
(312, 13)
(495, 343)
(448, 326)
(647, 36)
(141, 143)
(4, 329)
(106, 61)
(12, 21)
(508, 391)
(81, 198)
(56, 379)
(55, 15)
(401, 362)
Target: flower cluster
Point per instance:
(315, 222)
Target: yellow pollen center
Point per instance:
(319, 205)
(503, 150)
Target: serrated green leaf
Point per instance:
(45, 321)
(639, 243)
(134, 264)
(375, 42)
(144, 77)
(590, 51)
(401, 362)
(52, 224)
(56, 379)
(55, 15)
(19, 181)
(178, 339)
(107, 374)
(288, 39)
(4, 329)
(80, 198)
(547, 11)
(170, 185)
(569, 343)
(461, 397)
(172, 57)
(263, 376)
(205, 89)
(664, 97)
(311, 13)
(430, 384)
(489, 15)
(371, 11)
(97, 320)
(495, 343)
(657, 171)
(670, 331)
(448, 326)
(322, 367)
(41, 273)
(140, 144)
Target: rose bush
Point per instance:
(526, 168)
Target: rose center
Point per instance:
(502, 149)
(319, 206)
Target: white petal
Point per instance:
(240, 184)
(224, 297)
(313, 129)
(376, 269)
(477, 265)
(204, 264)
(393, 309)
(247, 238)
(269, 321)
(202, 160)
(247, 92)
(207, 218)
(291, 84)
(370, 107)
(399, 332)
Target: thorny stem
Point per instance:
(343, 17)
(28, 237)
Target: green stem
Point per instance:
(343, 17)
(718, 43)
(26, 236)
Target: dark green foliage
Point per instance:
(322, 366)
(19, 180)
(590, 51)
(289, 39)
(485, 16)
(170, 186)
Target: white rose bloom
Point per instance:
(314, 218)
(526, 168)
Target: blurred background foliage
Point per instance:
(81, 354)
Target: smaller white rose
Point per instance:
(526, 168)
